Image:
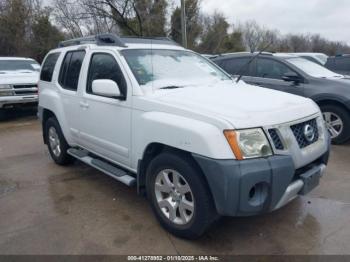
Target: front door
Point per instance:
(105, 123)
(269, 73)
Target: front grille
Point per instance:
(299, 133)
(22, 90)
(276, 139)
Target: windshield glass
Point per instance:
(313, 69)
(171, 68)
(19, 65)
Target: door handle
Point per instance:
(84, 105)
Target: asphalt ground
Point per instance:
(48, 209)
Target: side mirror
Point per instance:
(106, 87)
(292, 77)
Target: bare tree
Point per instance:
(252, 35)
(69, 16)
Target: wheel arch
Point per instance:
(154, 149)
(331, 101)
(46, 114)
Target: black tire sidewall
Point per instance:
(204, 211)
(64, 158)
(345, 116)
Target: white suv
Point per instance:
(150, 113)
(18, 81)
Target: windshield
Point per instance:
(171, 68)
(312, 68)
(19, 65)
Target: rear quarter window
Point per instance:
(49, 67)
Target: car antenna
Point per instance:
(243, 68)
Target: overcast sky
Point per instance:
(330, 18)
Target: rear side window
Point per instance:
(48, 67)
(104, 66)
(70, 70)
(236, 66)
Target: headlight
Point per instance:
(249, 143)
(5, 86)
(6, 90)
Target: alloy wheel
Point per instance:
(54, 142)
(174, 197)
(334, 124)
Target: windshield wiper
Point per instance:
(242, 70)
(171, 87)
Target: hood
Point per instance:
(244, 106)
(19, 77)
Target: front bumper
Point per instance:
(9, 101)
(251, 187)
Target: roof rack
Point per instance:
(115, 40)
(102, 39)
(148, 40)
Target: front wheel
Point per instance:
(179, 195)
(338, 123)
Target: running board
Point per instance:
(103, 166)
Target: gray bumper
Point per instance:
(251, 187)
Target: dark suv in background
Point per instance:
(339, 64)
(296, 75)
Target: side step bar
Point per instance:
(103, 166)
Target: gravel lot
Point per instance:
(47, 209)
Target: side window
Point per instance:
(48, 67)
(268, 68)
(104, 66)
(70, 70)
(233, 66)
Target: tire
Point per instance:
(331, 113)
(192, 224)
(58, 148)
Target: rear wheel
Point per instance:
(179, 195)
(56, 143)
(338, 123)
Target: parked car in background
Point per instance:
(296, 75)
(339, 64)
(150, 113)
(18, 82)
(318, 58)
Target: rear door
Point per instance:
(268, 73)
(68, 80)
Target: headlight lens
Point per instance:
(5, 87)
(249, 143)
(6, 90)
